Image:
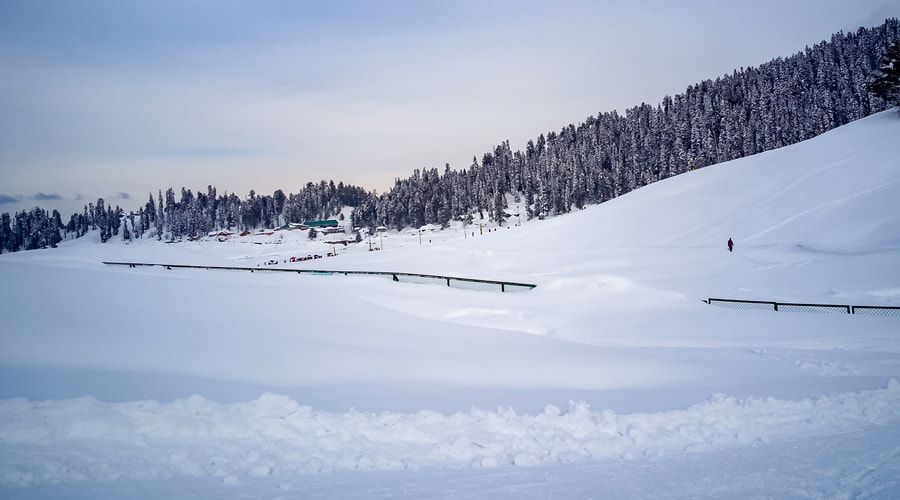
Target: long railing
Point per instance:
(802, 307)
(451, 281)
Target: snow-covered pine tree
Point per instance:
(5, 232)
(160, 217)
(886, 81)
(126, 234)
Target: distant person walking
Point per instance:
(730, 245)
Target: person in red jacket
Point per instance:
(730, 245)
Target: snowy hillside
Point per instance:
(612, 378)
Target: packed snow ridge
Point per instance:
(55, 441)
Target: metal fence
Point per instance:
(876, 310)
(434, 279)
(799, 307)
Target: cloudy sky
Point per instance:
(120, 99)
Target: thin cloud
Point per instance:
(5, 198)
(120, 196)
(46, 197)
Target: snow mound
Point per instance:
(85, 439)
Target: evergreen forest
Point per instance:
(751, 110)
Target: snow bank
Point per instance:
(85, 439)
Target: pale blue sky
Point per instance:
(118, 99)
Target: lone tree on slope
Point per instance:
(886, 83)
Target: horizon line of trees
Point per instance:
(756, 109)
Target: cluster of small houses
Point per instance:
(273, 262)
(325, 226)
(328, 226)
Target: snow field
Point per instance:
(610, 379)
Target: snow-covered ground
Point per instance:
(611, 379)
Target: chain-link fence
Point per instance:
(747, 305)
(763, 305)
(464, 283)
(814, 308)
(431, 279)
(877, 310)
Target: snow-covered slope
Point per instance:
(227, 383)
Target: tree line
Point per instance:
(779, 103)
(752, 110)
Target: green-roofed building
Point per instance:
(321, 223)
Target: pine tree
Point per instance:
(139, 230)
(100, 220)
(160, 216)
(499, 208)
(5, 232)
(886, 83)
(149, 214)
(54, 225)
(126, 235)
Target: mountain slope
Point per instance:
(838, 191)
